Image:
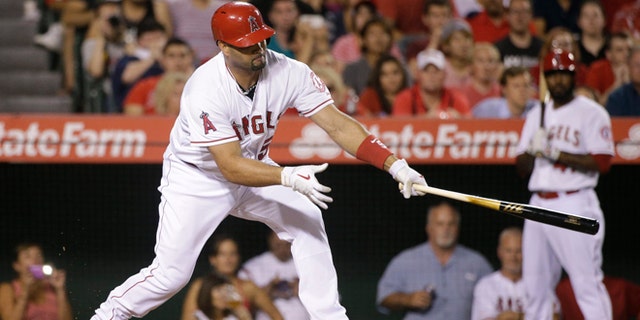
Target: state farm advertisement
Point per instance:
(32, 138)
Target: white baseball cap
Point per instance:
(431, 56)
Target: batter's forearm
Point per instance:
(580, 162)
(249, 172)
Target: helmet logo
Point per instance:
(253, 24)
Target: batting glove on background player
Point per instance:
(303, 180)
(406, 176)
(538, 143)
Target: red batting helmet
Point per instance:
(559, 60)
(239, 24)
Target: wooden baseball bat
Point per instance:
(525, 211)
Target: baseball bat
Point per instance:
(525, 211)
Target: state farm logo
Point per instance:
(629, 148)
(73, 140)
(445, 142)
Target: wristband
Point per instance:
(373, 151)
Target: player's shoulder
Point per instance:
(489, 280)
(590, 106)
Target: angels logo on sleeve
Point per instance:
(317, 82)
(206, 123)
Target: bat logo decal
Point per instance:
(511, 207)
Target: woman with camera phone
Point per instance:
(224, 259)
(218, 299)
(37, 292)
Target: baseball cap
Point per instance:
(430, 56)
(454, 25)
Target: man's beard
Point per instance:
(560, 96)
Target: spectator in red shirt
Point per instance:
(627, 19)
(177, 56)
(429, 97)
(491, 25)
(405, 17)
(606, 75)
(485, 72)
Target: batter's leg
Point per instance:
(294, 218)
(187, 218)
(540, 271)
(581, 256)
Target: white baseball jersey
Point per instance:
(208, 117)
(264, 268)
(581, 127)
(496, 293)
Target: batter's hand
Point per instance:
(303, 180)
(406, 176)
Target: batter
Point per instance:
(565, 158)
(217, 163)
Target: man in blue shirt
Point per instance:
(625, 101)
(433, 280)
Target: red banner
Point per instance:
(119, 139)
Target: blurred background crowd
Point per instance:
(428, 58)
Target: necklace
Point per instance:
(248, 91)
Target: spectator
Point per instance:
(404, 16)
(485, 72)
(38, 291)
(492, 23)
(283, 16)
(224, 258)
(561, 38)
(556, 13)
(177, 56)
(376, 42)
(456, 42)
(346, 49)
(516, 100)
(429, 97)
(563, 160)
(76, 16)
(333, 14)
(217, 299)
(188, 18)
(627, 19)
(388, 78)
(586, 91)
(141, 63)
(465, 8)
(310, 35)
(344, 98)
(324, 58)
(593, 36)
(102, 47)
(501, 295)
(625, 298)
(435, 15)
(275, 272)
(137, 12)
(168, 93)
(433, 280)
(608, 74)
(520, 47)
(625, 101)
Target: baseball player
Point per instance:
(217, 163)
(501, 294)
(564, 157)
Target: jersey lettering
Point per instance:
(206, 123)
(565, 133)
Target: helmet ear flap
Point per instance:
(239, 24)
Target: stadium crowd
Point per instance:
(427, 58)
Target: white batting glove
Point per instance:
(551, 153)
(303, 180)
(406, 176)
(538, 143)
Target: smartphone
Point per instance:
(40, 271)
(314, 20)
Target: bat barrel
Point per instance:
(555, 218)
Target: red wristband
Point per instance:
(373, 151)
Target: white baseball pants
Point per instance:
(193, 204)
(547, 249)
